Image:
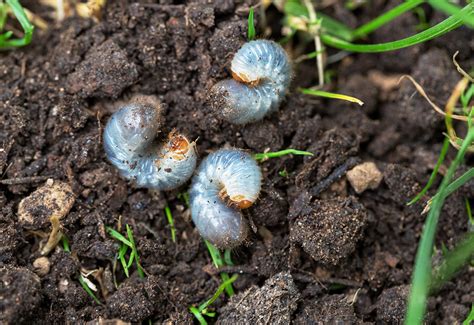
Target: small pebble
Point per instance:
(364, 176)
(42, 266)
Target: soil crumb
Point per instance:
(19, 294)
(273, 303)
(329, 309)
(391, 304)
(330, 230)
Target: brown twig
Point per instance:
(24, 180)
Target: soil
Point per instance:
(319, 252)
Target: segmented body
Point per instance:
(226, 181)
(129, 143)
(262, 76)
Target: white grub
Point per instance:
(227, 181)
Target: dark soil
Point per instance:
(319, 251)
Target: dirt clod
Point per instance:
(329, 309)
(50, 200)
(19, 294)
(330, 230)
(273, 303)
(136, 300)
(364, 176)
(105, 72)
(402, 183)
(391, 304)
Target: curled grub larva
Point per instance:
(129, 142)
(261, 74)
(226, 181)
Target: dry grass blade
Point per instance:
(461, 70)
(422, 92)
(54, 236)
(453, 99)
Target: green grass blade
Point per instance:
(88, 290)
(267, 155)
(335, 28)
(219, 262)
(121, 257)
(131, 258)
(28, 28)
(385, 18)
(170, 219)
(454, 185)
(4, 37)
(3, 15)
(326, 94)
(451, 9)
(228, 289)
(215, 254)
(469, 213)
(465, 99)
(251, 25)
(135, 252)
(463, 179)
(185, 197)
(227, 257)
(328, 25)
(118, 236)
(65, 242)
(442, 155)
(470, 318)
(422, 270)
(219, 291)
(198, 315)
(442, 28)
(454, 260)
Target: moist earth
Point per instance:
(319, 251)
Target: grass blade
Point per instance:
(385, 18)
(442, 28)
(267, 155)
(251, 25)
(458, 182)
(3, 15)
(198, 315)
(453, 262)
(121, 257)
(227, 257)
(451, 9)
(469, 214)
(219, 262)
(215, 254)
(170, 219)
(65, 242)
(28, 28)
(115, 234)
(470, 318)
(88, 290)
(218, 292)
(135, 252)
(442, 155)
(335, 28)
(422, 270)
(326, 94)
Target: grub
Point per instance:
(57, 94)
